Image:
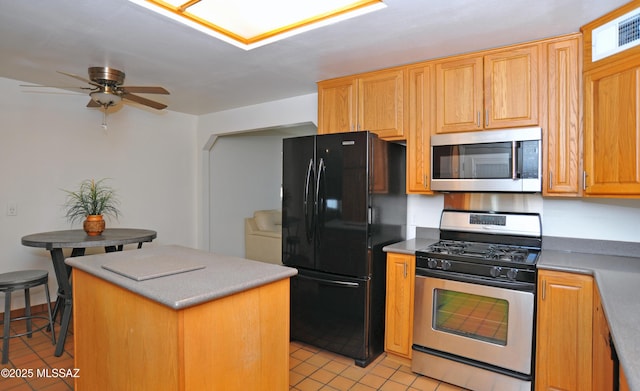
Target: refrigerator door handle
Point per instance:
(320, 204)
(343, 284)
(308, 213)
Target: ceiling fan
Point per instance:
(107, 89)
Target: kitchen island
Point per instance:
(175, 318)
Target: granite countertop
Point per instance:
(408, 246)
(615, 267)
(213, 276)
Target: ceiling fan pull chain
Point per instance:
(104, 119)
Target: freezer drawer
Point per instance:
(331, 312)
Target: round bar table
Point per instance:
(112, 239)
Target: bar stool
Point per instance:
(24, 279)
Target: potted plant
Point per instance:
(93, 200)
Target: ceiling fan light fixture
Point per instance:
(105, 98)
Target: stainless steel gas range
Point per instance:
(475, 300)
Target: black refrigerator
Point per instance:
(343, 200)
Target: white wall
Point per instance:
(282, 113)
(257, 159)
(51, 141)
(587, 218)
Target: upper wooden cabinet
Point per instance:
(372, 101)
(420, 109)
(496, 90)
(562, 124)
(565, 331)
(337, 105)
(459, 95)
(611, 117)
(612, 130)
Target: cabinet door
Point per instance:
(602, 361)
(511, 88)
(612, 130)
(337, 105)
(565, 312)
(459, 95)
(380, 103)
(420, 109)
(399, 306)
(562, 139)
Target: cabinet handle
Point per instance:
(544, 289)
(550, 180)
(426, 181)
(584, 180)
(478, 120)
(405, 270)
(486, 117)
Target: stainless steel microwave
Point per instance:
(506, 160)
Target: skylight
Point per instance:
(252, 23)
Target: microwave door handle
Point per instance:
(514, 160)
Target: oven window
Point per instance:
(473, 316)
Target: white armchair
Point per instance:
(263, 236)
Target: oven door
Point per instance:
(478, 322)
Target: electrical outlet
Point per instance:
(12, 209)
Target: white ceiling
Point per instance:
(204, 75)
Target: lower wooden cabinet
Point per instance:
(603, 365)
(398, 336)
(624, 385)
(565, 331)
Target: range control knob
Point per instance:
(512, 273)
(432, 263)
(495, 271)
(446, 265)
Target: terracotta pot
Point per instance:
(94, 225)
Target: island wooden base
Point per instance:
(124, 341)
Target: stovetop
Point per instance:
(483, 252)
(502, 246)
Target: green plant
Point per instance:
(92, 198)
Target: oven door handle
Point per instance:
(448, 275)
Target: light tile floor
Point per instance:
(313, 369)
(310, 368)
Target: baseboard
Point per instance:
(35, 309)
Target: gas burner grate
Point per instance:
(448, 247)
(508, 253)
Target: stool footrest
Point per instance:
(27, 332)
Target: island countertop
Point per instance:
(215, 275)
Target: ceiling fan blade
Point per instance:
(143, 101)
(93, 103)
(63, 87)
(143, 90)
(80, 78)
